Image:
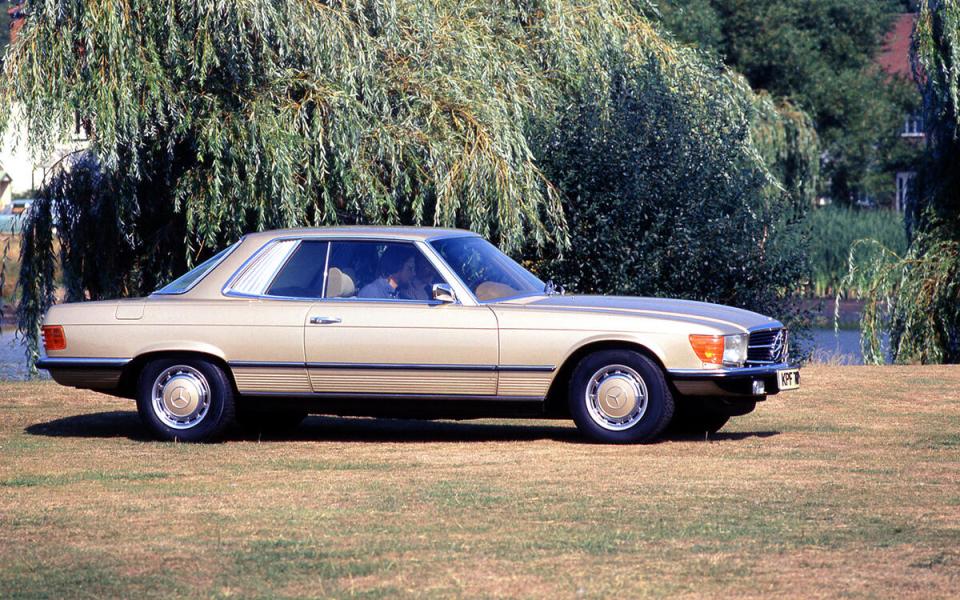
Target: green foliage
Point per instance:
(695, 22)
(281, 113)
(667, 195)
(833, 231)
(915, 297)
(818, 55)
(37, 270)
(937, 49)
(789, 146)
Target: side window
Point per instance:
(256, 276)
(302, 274)
(379, 270)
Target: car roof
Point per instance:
(399, 233)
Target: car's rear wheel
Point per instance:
(620, 396)
(185, 399)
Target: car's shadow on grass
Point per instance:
(127, 424)
(318, 428)
(117, 423)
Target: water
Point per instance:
(841, 347)
(11, 223)
(13, 361)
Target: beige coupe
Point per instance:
(404, 322)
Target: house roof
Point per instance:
(16, 20)
(894, 56)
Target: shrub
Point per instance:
(667, 196)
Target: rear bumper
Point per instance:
(92, 373)
(727, 382)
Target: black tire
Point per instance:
(259, 420)
(207, 425)
(644, 424)
(698, 424)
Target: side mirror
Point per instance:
(443, 293)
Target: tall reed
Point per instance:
(833, 232)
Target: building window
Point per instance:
(912, 126)
(904, 182)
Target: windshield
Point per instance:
(489, 273)
(183, 283)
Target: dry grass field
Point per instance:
(847, 488)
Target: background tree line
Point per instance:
(819, 56)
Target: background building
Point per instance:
(894, 59)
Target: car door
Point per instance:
(376, 334)
(265, 312)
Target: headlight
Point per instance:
(720, 350)
(735, 350)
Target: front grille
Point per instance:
(766, 347)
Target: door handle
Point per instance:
(324, 320)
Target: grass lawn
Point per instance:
(849, 487)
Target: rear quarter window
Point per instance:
(186, 281)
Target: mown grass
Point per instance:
(53, 480)
(849, 487)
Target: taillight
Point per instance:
(53, 338)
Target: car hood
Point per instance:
(651, 307)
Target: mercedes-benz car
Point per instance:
(410, 323)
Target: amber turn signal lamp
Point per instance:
(53, 338)
(708, 347)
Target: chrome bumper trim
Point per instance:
(730, 373)
(81, 363)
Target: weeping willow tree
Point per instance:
(915, 297)
(787, 141)
(208, 119)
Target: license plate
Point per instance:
(788, 380)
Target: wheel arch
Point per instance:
(556, 401)
(131, 371)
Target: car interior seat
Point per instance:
(339, 284)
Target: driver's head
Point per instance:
(397, 263)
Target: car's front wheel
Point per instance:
(185, 399)
(620, 396)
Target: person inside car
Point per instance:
(397, 267)
(424, 276)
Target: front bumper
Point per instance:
(738, 381)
